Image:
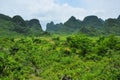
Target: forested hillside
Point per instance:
(91, 25)
(74, 50)
(17, 26)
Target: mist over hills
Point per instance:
(91, 25)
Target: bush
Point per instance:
(81, 43)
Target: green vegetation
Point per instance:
(50, 58)
(91, 25)
(17, 26)
(29, 53)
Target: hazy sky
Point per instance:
(60, 10)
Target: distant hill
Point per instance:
(91, 25)
(93, 21)
(118, 18)
(18, 26)
(70, 26)
(112, 26)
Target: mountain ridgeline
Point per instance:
(91, 25)
(29, 53)
(18, 26)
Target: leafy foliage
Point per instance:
(78, 57)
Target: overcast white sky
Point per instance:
(60, 10)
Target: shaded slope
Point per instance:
(70, 26)
(18, 26)
(91, 25)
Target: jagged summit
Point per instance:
(92, 21)
(17, 25)
(91, 25)
(72, 18)
(19, 20)
(34, 22)
(92, 17)
(118, 18)
(34, 25)
(4, 17)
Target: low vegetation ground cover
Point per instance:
(50, 58)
